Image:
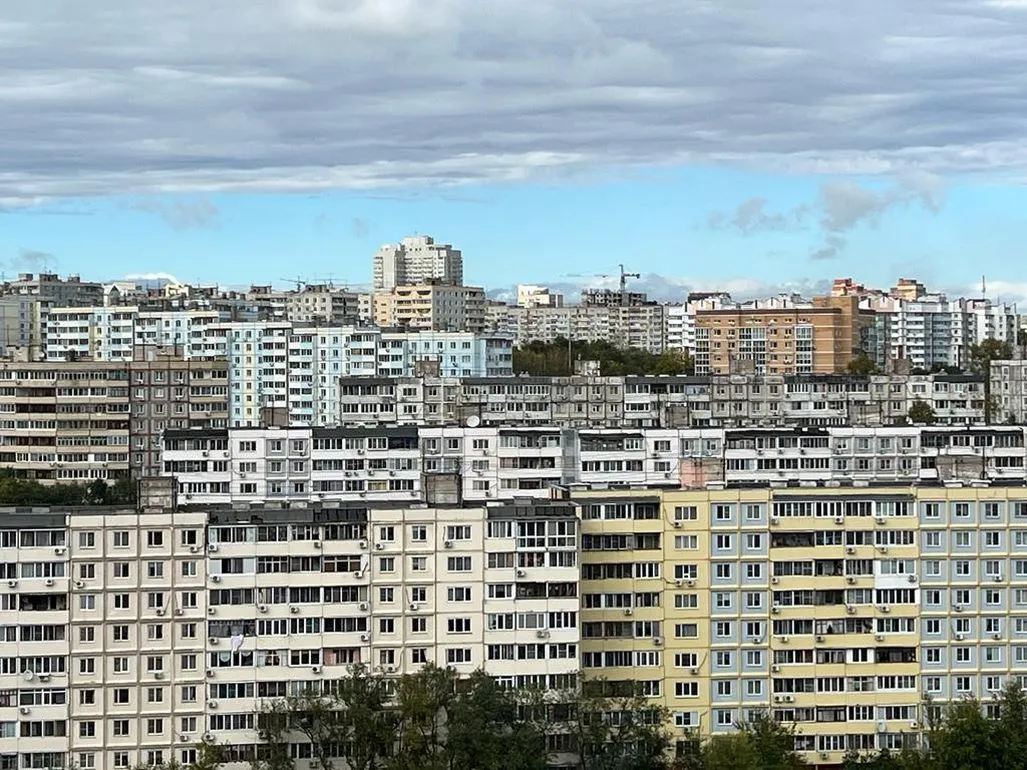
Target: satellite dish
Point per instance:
(473, 421)
(29, 676)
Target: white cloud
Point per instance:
(119, 96)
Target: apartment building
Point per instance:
(1009, 390)
(845, 612)
(928, 329)
(416, 260)
(23, 322)
(627, 326)
(659, 401)
(77, 421)
(62, 292)
(821, 338)
(454, 465)
(134, 635)
(323, 305)
(530, 295)
(99, 333)
(431, 307)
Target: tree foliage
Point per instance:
(556, 359)
(981, 357)
(862, 365)
(15, 491)
(921, 413)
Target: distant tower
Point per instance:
(984, 288)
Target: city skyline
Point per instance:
(724, 146)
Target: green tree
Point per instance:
(615, 728)
(965, 740)
(981, 357)
(486, 730)
(862, 365)
(367, 722)
(423, 701)
(556, 359)
(921, 413)
(273, 727)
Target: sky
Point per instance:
(743, 145)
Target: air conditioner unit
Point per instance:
(777, 699)
(959, 637)
(882, 548)
(215, 578)
(775, 669)
(213, 640)
(414, 606)
(212, 611)
(25, 710)
(677, 525)
(363, 544)
(997, 578)
(261, 608)
(521, 573)
(316, 543)
(775, 610)
(850, 580)
(879, 519)
(294, 610)
(820, 638)
(46, 677)
(957, 607)
(774, 521)
(775, 580)
(159, 612)
(183, 738)
(315, 669)
(365, 637)
(213, 547)
(657, 641)
(379, 546)
(542, 634)
(210, 673)
(49, 582)
(80, 584)
(12, 583)
(628, 611)
(912, 578)
(194, 548)
(884, 608)
(212, 704)
(879, 637)
(850, 549)
(362, 606)
(789, 698)
(850, 609)
(783, 639)
(839, 519)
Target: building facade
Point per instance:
(431, 307)
(660, 401)
(453, 465)
(74, 422)
(416, 260)
(131, 636)
(822, 338)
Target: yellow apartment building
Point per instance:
(841, 610)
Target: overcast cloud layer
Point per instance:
(143, 97)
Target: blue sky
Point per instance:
(667, 224)
(749, 146)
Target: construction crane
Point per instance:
(623, 278)
(300, 283)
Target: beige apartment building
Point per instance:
(431, 307)
(77, 421)
(819, 339)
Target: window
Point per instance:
(154, 539)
